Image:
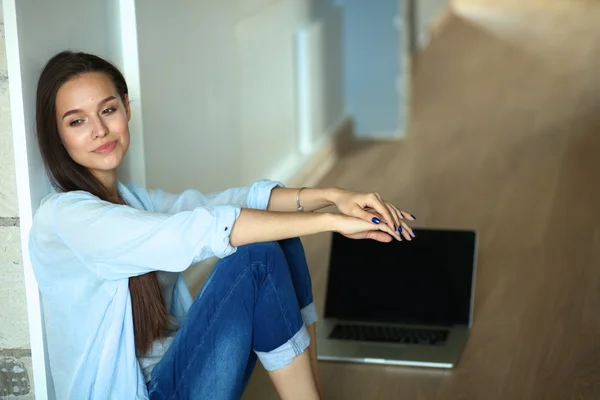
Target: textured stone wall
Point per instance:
(15, 353)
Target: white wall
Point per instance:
(189, 103)
(122, 48)
(269, 69)
(34, 32)
(222, 111)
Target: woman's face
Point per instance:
(93, 123)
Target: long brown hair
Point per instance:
(149, 312)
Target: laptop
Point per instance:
(402, 303)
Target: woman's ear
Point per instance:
(127, 108)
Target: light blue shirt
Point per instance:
(83, 251)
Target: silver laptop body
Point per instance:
(403, 303)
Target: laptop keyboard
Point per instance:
(370, 333)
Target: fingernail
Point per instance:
(413, 234)
(399, 229)
(376, 220)
(413, 216)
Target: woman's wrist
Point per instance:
(332, 195)
(311, 199)
(328, 221)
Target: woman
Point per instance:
(120, 322)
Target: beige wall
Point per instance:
(14, 334)
(225, 90)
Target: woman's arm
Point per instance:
(254, 226)
(370, 207)
(265, 226)
(253, 196)
(119, 241)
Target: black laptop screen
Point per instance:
(424, 281)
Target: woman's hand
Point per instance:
(356, 228)
(371, 208)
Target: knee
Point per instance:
(293, 251)
(265, 259)
(293, 243)
(265, 252)
(292, 247)
(258, 258)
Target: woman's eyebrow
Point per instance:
(71, 112)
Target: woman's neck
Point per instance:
(108, 179)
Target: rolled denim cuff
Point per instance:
(309, 314)
(285, 354)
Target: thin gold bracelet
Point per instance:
(300, 208)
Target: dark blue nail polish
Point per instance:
(376, 220)
(395, 228)
(413, 216)
(399, 229)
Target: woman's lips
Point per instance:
(106, 148)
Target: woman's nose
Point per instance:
(99, 129)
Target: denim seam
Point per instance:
(285, 317)
(153, 387)
(295, 344)
(212, 322)
(291, 254)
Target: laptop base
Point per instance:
(444, 355)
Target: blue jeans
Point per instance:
(255, 303)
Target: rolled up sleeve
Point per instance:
(120, 241)
(260, 193)
(220, 246)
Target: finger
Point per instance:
(380, 206)
(407, 215)
(407, 231)
(389, 230)
(373, 235)
(403, 228)
(376, 228)
(395, 214)
(378, 236)
(376, 223)
(373, 213)
(372, 216)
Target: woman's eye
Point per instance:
(76, 122)
(108, 110)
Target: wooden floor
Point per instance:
(505, 139)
